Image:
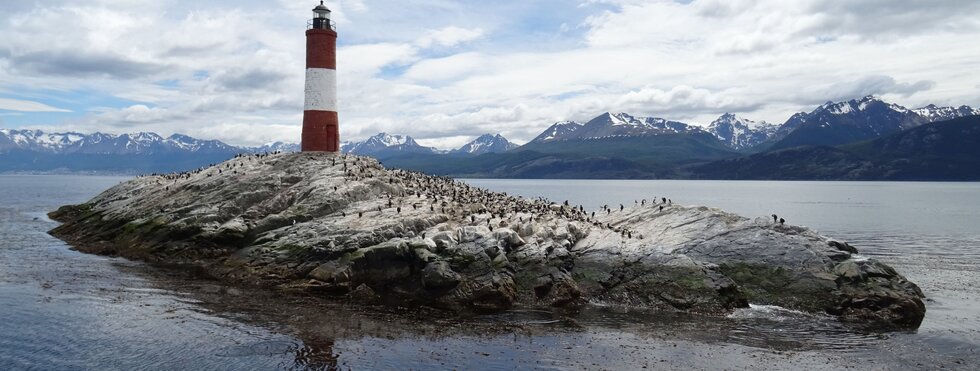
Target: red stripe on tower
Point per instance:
(321, 130)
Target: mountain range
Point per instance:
(384, 145)
(944, 150)
(611, 145)
(38, 151)
(35, 150)
(619, 145)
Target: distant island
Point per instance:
(865, 139)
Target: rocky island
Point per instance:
(345, 226)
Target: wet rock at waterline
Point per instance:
(345, 226)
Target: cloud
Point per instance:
(366, 60)
(137, 114)
(448, 68)
(449, 37)
(250, 79)
(683, 100)
(27, 106)
(82, 64)
(446, 71)
(869, 85)
(877, 19)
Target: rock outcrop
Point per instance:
(345, 226)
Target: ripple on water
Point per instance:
(96, 314)
(773, 326)
(261, 348)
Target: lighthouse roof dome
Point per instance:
(321, 7)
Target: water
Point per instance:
(66, 310)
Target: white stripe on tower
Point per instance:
(321, 90)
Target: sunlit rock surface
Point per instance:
(345, 226)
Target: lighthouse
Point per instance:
(320, 122)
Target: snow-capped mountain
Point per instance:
(609, 125)
(845, 122)
(740, 133)
(99, 143)
(138, 153)
(933, 113)
(36, 140)
(486, 143)
(560, 129)
(275, 147)
(384, 143)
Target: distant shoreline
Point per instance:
(134, 174)
(80, 173)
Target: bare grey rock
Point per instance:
(344, 225)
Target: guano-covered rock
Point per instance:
(344, 226)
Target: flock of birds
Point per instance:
(174, 178)
(472, 205)
(439, 194)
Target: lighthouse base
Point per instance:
(320, 132)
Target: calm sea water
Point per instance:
(65, 310)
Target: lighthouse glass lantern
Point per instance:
(321, 17)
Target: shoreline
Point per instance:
(234, 247)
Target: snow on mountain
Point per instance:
(558, 130)
(487, 143)
(608, 125)
(383, 143)
(624, 125)
(845, 122)
(276, 147)
(862, 105)
(346, 146)
(933, 113)
(99, 143)
(37, 140)
(740, 133)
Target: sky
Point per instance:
(445, 71)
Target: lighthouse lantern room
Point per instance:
(321, 17)
(321, 131)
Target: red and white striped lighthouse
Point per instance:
(320, 122)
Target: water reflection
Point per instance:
(312, 353)
(66, 310)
